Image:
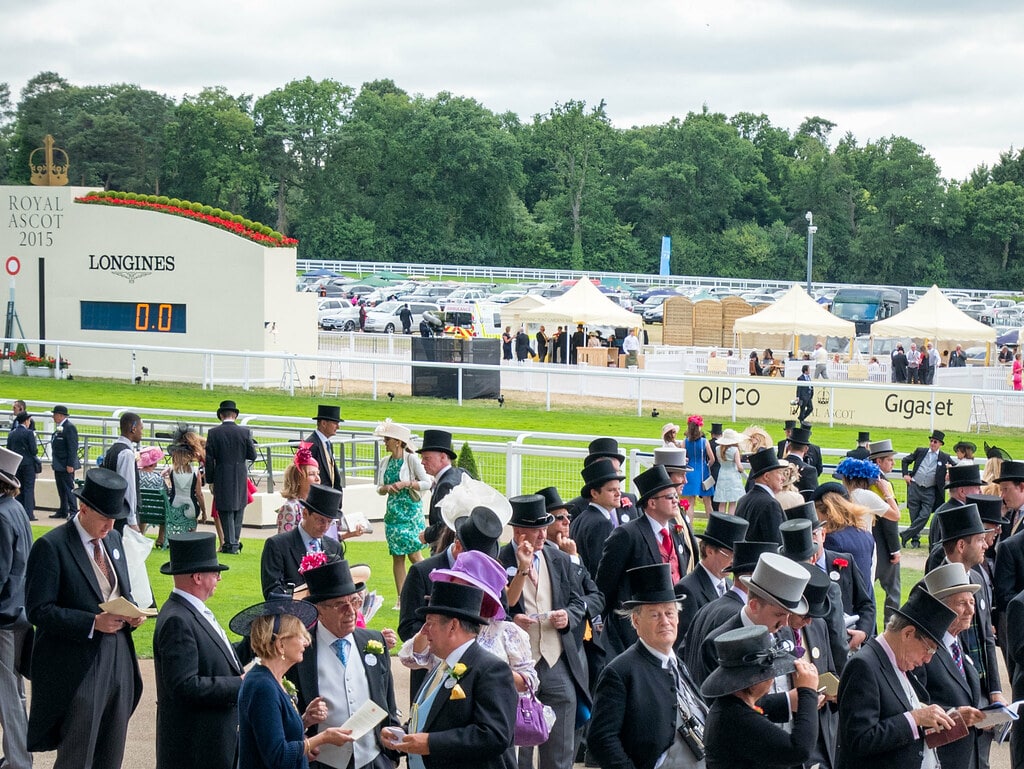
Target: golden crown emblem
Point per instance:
(49, 165)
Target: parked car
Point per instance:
(973, 309)
(755, 298)
(467, 295)
(327, 307)
(655, 314)
(384, 317)
(427, 293)
(343, 319)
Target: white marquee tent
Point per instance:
(937, 319)
(583, 303)
(794, 313)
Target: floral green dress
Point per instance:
(403, 520)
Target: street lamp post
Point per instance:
(811, 229)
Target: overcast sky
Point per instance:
(943, 73)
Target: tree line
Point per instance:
(383, 175)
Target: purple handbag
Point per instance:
(531, 727)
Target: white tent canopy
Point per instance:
(512, 313)
(795, 313)
(936, 318)
(583, 303)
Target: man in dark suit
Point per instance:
(961, 480)
(887, 536)
(85, 677)
(708, 582)
(344, 667)
(332, 472)
(228, 448)
(782, 448)
(882, 711)
(924, 470)
(804, 394)
(598, 449)
(646, 691)
(758, 507)
(437, 456)
(813, 456)
(468, 723)
(799, 442)
(22, 440)
(649, 538)
(592, 526)
(863, 443)
(198, 671)
(1008, 580)
(64, 459)
(283, 553)
(545, 602)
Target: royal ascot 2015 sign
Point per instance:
(755, 400)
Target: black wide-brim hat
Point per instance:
(192, 552)
(241, 623)
(437, 440)
(927, 613)
(227, 406)
(104, 492)
(797, 544)
(746, 656)
(323, 500)
(650, 584)
(1012, 470)
(328, 413)
(603, 447)
(724, 530)
(332, 580)
(454, 600)
(764, 461)
(819, 605)
(961, 521)
(966, 445)
(552, 499)
(745, 555)
(480, 531)
(963, 475)
(529, 512)
(651, 481)
(990, 507)
(597, 474)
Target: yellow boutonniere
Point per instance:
(373, 647)
(457, 693)
(459, 670)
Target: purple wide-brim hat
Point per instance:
(479, 570)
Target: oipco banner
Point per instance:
(756, 399)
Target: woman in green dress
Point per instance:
(401, 476)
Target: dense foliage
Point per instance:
(380, 174)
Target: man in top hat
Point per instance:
(332, 471)
(799, 442)
(804, 394)
(961, 480)
(229, 447)
(782, 448)
(64, 460)
(647, 707)
(463, 717)
(863, 442)
(1009, 572)
(949, 677)
(479, 531)
(674, 462)
(716, 466)
(22, 440)
(883, 712)
(924, 470)
(85, 677)
(437, 456)
(652, 537)
(758, 506)
(887, 535)
(344, 667)
(198, 671)
(283, 553)
(591, 526)
(120, 458)
(598, 449)
(708, 580)
(15, 542)
(1012, 640)
(545, 601)
(813, 455)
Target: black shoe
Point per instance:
(915, 544)
(903, 539)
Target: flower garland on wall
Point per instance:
(225, 220)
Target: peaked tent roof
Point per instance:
(512, 313)
(795, 313)
(583, 303)
(934, 317)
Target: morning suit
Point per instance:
(887, 573)
(15, 543)
(808, 480)
(857, 597)
(699, 591)
(593, 598)
(416, 594)
(23, 441)
(764, 514)
(228, 449)
(873, 728)
(79, 676)
(474, 732)
(950, 688)
(709, 617)
(1014, 644)
(816, 643)
(332, 472)
(197, 682)
(64, 454)
(589, 529)
(282, 556)
(449, 479)
(632, 544)
(921, 501)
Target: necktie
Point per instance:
(668, 555)
(220, 631)
(314, 546)
(341, 649)
(615, 518)
(329, 456)
(424, 695)
(535, 570)
(101, 561)
(720, 587)
(957, 655)
(798, 644)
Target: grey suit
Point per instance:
(15, 543)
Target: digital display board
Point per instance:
(157, 317)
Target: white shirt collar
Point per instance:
(663, 658)
(453, 658)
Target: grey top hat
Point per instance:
(779, 580)
(192, 552)
(990, 507)
(927, 613)
(650, 584)
(797, 544)
(961, 521)
(764, 461)
(745, 555)
(724, 530)
(454, 600)
(671, 459)
(9, 462)
(323, 500)
(104, 492)
(332, 580)
(746, 656)
(963, 475)
(651, 481)
(529, 512)
(949, 579)
(880, 449)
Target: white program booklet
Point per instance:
(364, 719)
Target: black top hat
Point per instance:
(241, 623)
(104, 492)
(323, 500)
(807, 426)
(529, 512)
(23, 417)
(800, 436)
(994, 452)
(651, 481)
(60, 410)
(746, 656)
(192, 553)
(805, 512)
(437, 440)
(959, 522)
(724, 530)
(227, 406)
(830, 487)
(480, 531)
(927, 613)
(716, 428)
(552, 499)
(989, 507)
(1011, 471)
(763, 461)
(966, 445)
(598, 473)
(650, 584)
(816, 593)
(963, 475)
(454, 600)
(864, 436)
(790, 424)
(745, 555)
(938, 435)
(328, 413)
(797, 544)
(603, 447)
(332, 580)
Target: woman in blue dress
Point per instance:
(699, 451)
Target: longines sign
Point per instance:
(876, 407)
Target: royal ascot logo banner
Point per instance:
(755, 401)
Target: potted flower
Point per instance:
(39, 367)
(18, 357)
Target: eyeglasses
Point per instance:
(673, 495)
(341, 604)
(561, 518)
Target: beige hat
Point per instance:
(731, 438)
(667, 427)
(389, 429)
